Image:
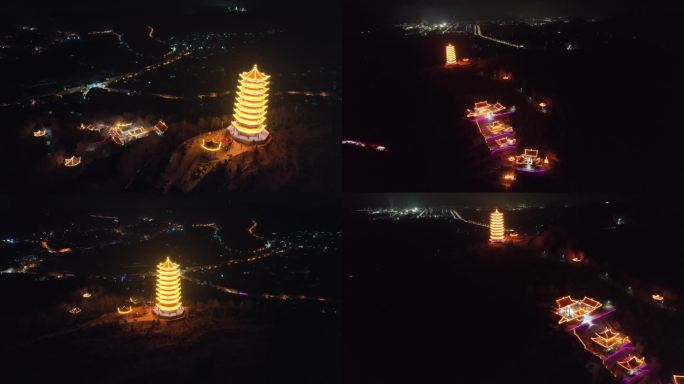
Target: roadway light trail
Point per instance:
(458, 216)
(478, 32)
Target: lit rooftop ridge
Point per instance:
(570, 309)
(483, 108)
(610, 339)
(632, 364)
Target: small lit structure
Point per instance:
(211, 145)
(124, 310)
(498, 127)
(677, 379)
(168, 304)
(87, 295)
(502, 144)
(124, 133)
(632, 364)
(570, 309)
(609, 339)
(249, 116)
(450, 55)
(160, 128)
(496, 227)
(40, 133)
(530, 161)
(484, 109)
(72, 161)
(658, 297)
(510, 176)
(75, 310)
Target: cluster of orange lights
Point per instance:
(40, 133)
(510, 176)
(658, 297)
(578, 257)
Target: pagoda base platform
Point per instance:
(263, 138)
(169, 315)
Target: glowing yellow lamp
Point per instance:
(496, 227)
(168, 290)
(249, 114)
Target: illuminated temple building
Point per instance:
(450, 55)
(530, 161)
(609, 339)
(124, 133)
(498, 135)
(498, 127)
(484, 109)
(632, 364)
(502, 144)
(249, 116)
(496, 227)
(40, 133)
(168, 304)
(570, 309)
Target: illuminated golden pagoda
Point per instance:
(168, 290)
(496, 227)
(450, 55)
(249, 116)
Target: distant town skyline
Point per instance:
(436, 11)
